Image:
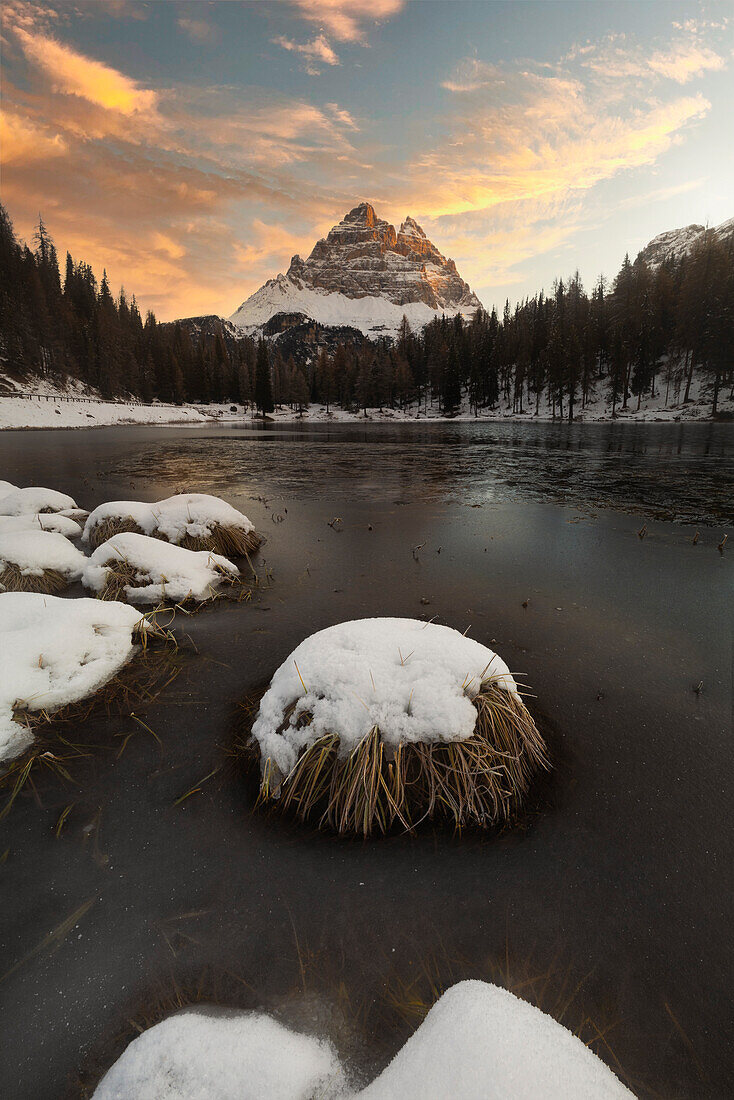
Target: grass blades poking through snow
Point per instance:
(56, 748)
(50, 581)
(122, 576)
(481, 781)
(231, 542)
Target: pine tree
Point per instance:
(263, 387)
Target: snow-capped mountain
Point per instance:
(676, 243)
(366, 276)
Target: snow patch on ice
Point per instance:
(34, 499)
(199, 1055)
(56, 651)
(414, 680)
(42, 521)
(169, 572)
(480, 1042)
(193, 514)
(35, 551)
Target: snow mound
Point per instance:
(56, 651)
(480, 1042)
(199, 1055)
(41, 521)
(196, 515)
(33, 552)
(162, 571)
(193, 515)
(34, 499)
(413, 680)
(7, 487)
(141, 514)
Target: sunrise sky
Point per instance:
(192, 148)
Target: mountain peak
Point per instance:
(363, 214)
(410, 228)
(364, 275)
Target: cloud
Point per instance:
(318, 50)
(198, 30)
(685, 61)
(72, 73)
(346, 20)
(616, 58)
(24, 142)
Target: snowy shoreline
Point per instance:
(76, 407)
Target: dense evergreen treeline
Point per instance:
(651, 329)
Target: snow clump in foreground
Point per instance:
(41, 521)
(478, 1042)
(55, 652)
(153, 571)
(6, 487)
(199, 1054)
(19, 502)
(412, 680)
(186, 517)
(36, 552)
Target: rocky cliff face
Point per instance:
(365, 275)
(676, 243)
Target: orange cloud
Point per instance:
(24, 142)
(345, 20)
(74, 74)
(318, 50)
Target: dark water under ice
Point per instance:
(611, 906)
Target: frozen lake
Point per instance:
(611, 906)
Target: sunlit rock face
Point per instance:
(674, 244)
(365, 275)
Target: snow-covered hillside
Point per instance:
(367, 276)
(674, 244)
(54, 405)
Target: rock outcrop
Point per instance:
(367, 276)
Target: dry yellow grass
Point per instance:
(481, 781)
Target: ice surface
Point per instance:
(414, 680)
(194, 514)
(480, 1042)
(56, 651)
(41, 521)
(34, 499)
(34, 551)
(199, 1055)
(170, 572)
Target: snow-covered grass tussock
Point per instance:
(196, 521)
(478, 1042)
(35, 498)
(223, 1056)
(42, 521)
(381, 720)
(38, 561)
(144, 570)
(55, 652)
